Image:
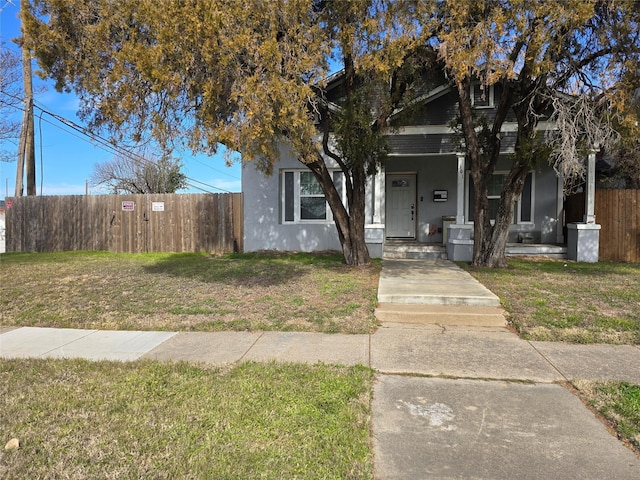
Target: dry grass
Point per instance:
(568, 301)
(192, 292)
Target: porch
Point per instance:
(412, 249)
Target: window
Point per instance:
(523, 212)
(303, 199)
(312, 203)
(482, 96)
(493, 193)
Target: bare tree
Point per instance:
(582, 124)
(139, 174)
(10, 100)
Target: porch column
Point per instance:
(378, 198)
(583, 239)
(460, 190)
(374, 233)
(590, 194)
(459, 241)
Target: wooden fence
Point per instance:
(618, 212)
(126, 223)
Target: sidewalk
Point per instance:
(450, 401)
(395, 349)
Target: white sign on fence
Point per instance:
(157, 206)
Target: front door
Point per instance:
(401, 202)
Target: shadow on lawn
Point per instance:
(254, 269)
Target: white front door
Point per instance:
(401, 206)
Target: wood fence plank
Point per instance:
(194, 222)
(633, 254)
(617, 212)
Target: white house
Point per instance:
(422, 195)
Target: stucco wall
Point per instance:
(263, 229)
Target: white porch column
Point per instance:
(379, 196)
(460, 190)
(583, 239)
(459, 242)
(590, 194)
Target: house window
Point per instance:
(523, 211)
(303, 199)
(482, 96)
(493, 193)
(312, 203)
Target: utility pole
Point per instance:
(26, 147)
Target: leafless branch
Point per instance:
(581, 127)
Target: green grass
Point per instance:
(190, 291)
(619, 403)
(79, 419)
(568, 301)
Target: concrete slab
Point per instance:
(593, 362)
(208, 347)
(438, 282)
(468, 315)
(111, 345)
(5, 329)
(445, 429)
(34, 342)
(311, 348)
(466, 352)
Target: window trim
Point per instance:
(518, 208)
(297, 195)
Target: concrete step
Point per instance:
(452, 315)
(536, 250)
(415, 251)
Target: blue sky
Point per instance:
(68, 158)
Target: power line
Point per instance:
(102, 142)
(215, 169)
(6, 4)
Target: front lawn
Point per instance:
(187, 292)
(568, 301)
(78, 419)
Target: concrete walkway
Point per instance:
(450, 401)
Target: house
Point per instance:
(423, 193)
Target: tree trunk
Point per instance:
(350, 224)
(482, 229)
(481, 172)
(490, 241)
(359, 253)
(494, 238)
